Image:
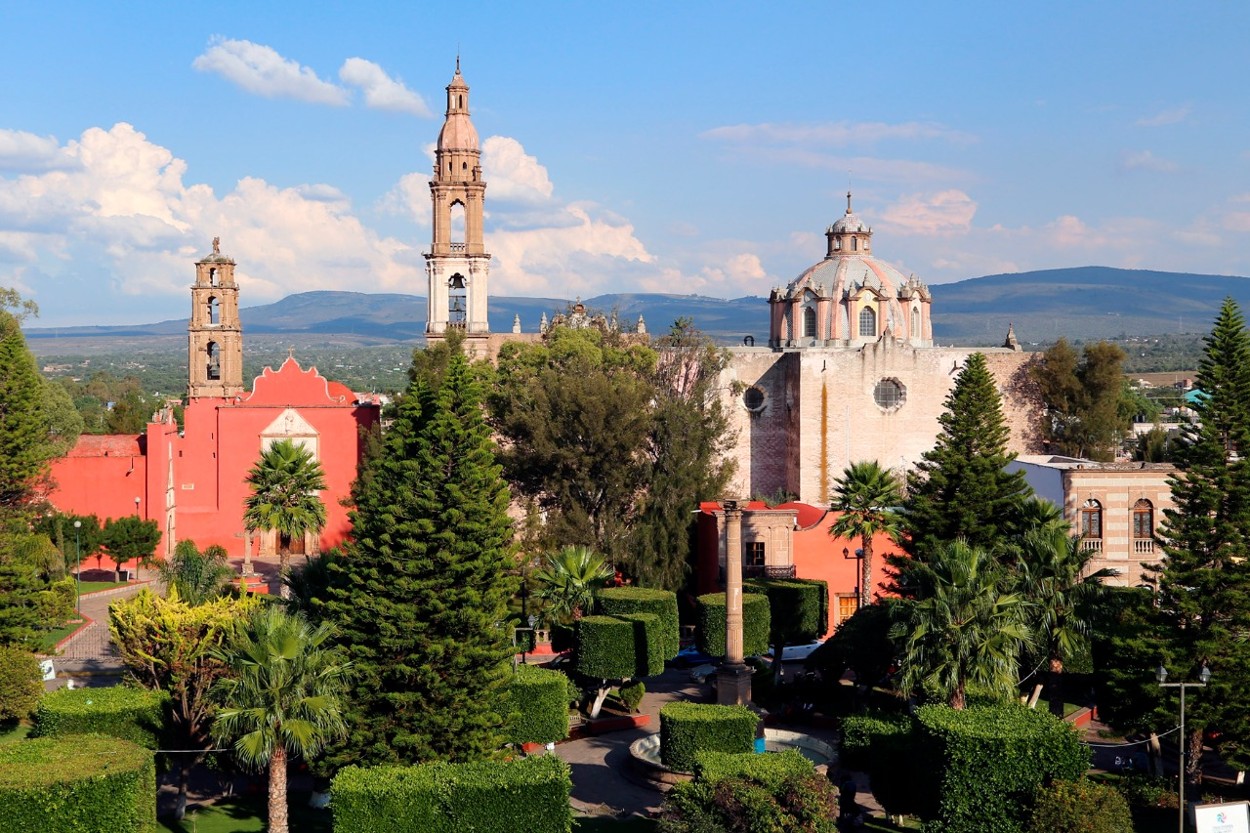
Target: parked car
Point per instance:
(794, 653)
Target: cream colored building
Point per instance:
(851, 373)
(1116, 507)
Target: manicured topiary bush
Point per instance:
(861, 731)
(133, 714)
(755, 624)
(77, 783)
(631, 694)
(798, 608)
(648, 647)
(21, 684)
(987, 762)
(605, 648)
(663, 603)
(537, 699)
(689, 728)
(530, 794)
(1079, 807)
(799, 804)
(769, 770)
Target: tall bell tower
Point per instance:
(215, 336)
(457, 265)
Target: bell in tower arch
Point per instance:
(457, 309)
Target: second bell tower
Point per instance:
(457, 265)
(215, 335)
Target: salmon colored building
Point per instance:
(193, 481)
(791, 540)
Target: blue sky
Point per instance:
(675, 147)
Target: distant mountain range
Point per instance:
(1089, 302)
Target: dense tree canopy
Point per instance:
(615, 441)
(24, 450)
(420, 599)
(1088, 408)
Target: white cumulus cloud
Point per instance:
(25, 152)
(945, 212)
(382, 92)
(261, 70)
(512, 175)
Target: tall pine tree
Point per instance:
(961, 487)
(1203, 586)
(420, 598)
(23, 433)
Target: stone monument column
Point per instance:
(733, 678)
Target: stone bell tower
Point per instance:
(457, 264)
(215, 336)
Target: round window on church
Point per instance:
(889, 394)
(753, 399)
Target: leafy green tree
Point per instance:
(282, 698)
(961, 487)
(130, 538)
(968, 629)
(198, 577)
(62, 424)
(24, 450)
(866, 496)
(21, 622)
(76, 543)
(1203, 584)
(284, 483)
(420, 599)
(567, 581)
(684, 456)
(1088, 407)
(1053, 574)
(168, 645)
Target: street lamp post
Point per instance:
(1161, 674)
(859, 559)
(77, 569)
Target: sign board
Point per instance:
(1233, 817)
(45, 667)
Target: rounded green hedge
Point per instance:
(631, 694)
(756, 623)
(769, 770)
(798, 608)
(134, 714)
(689, 728)
(1079, 807)
(663, 603)
(530, 794)
(537, 699)
(648, 643)
(21, 683)
(605, 648)
(75, 783)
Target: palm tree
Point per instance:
(568, 579)
(285, 482)
(967, 629)
(282, 697)
(865, 496)
(197, 577)
(1051, 573)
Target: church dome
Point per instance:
(458, 133)
(849, 222)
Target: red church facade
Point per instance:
(193, 481)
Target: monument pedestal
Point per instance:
(733, 685)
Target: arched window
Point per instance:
(456, 306)
(456, 224)
(1143, 519)
(212, 310)
(809, 323)
(214, 362)
(915, 323)
(854, 244)
(1091, 519)
(867, 323)
(212, 276)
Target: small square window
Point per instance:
(755, 553)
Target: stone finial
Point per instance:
(516, 324)
(1011, 343)
(542, 325)
(641, 326)
(216, 245)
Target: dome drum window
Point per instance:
(754, 399)
(889, 394)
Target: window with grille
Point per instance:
(755, 553)
(1091, 519)
(1143, 519)
(867, 322)
(809, 323)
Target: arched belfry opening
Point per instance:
(457, 264)
(214, 334)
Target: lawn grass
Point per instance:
(10, 732)
(96, 586)
(246, 814)
(47, 642)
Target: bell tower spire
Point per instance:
(214, 335)
(457, 265)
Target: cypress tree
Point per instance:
(421, 595)
(1203, 586)
(961, 487)
(23, 455)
